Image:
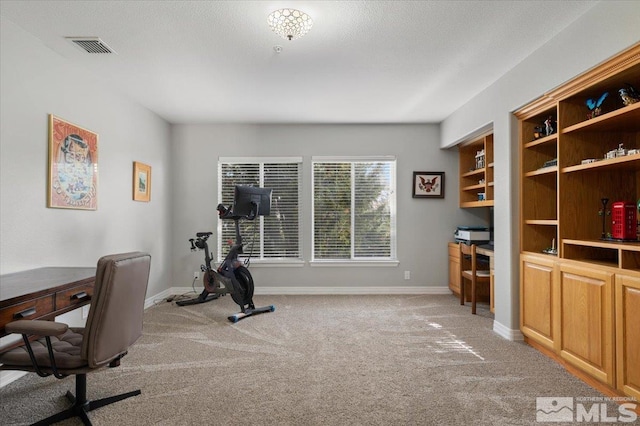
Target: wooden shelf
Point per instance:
(623, 119)
(470, 204)
(475, 172)
(598, 262)
(542, 171)
(538, 253)
(543, 222)
(547, 140)
(472, 187)
(614, 245)
(631, 162)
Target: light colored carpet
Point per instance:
(316, 360)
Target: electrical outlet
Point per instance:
(407, 275)
(196, 275)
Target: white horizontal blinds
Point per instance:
(232, 175)
(354, 209)
(274, 236)
(373, 201)
(281, 229)
(332, 210)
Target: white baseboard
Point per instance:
(8, 376)
(301, 291)
(507, 333)
(149, 302)
(350, 290)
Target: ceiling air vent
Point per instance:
(91, 44)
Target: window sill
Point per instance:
(276, 263)
(290, 263)
(353, 263)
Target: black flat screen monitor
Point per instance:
(247, 198)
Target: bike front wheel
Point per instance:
(243, 295)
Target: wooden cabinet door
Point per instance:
(586, 320)
(538, 299)
(628, 333)
(454, 268)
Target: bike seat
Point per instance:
(203, 234)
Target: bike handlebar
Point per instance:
(224, 213)
(227, 213)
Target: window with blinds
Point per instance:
(276, 236)
(354, 209)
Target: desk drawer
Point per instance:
(27, 310)
(74, 296)
(454, 251)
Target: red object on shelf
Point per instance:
(623, 220)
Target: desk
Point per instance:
(485, 251)
(44, 293)
(454, 271)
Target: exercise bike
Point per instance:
(232, 276)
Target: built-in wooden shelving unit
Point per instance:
(591, 285)
(476, 172)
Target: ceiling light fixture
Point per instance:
(290, 23)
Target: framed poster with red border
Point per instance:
(73, 166)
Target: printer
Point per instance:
(472, 235)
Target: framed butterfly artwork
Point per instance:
(428, 184)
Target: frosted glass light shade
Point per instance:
(290, 23)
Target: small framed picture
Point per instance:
(428, 184)
(141, 182)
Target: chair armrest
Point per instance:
(37, 327)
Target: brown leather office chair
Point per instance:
(469, 271)
(113, 325)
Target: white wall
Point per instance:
(603, 31)
(424, 225)
(34, 82)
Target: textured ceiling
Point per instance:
(362, 62)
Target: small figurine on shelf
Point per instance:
(623, 220)
(551, 250)
(538, 132)
(615, 153)
(480, 159)
(549, 126)
(604, 213)
(595, 106)
(550, 163)
(629, 95)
